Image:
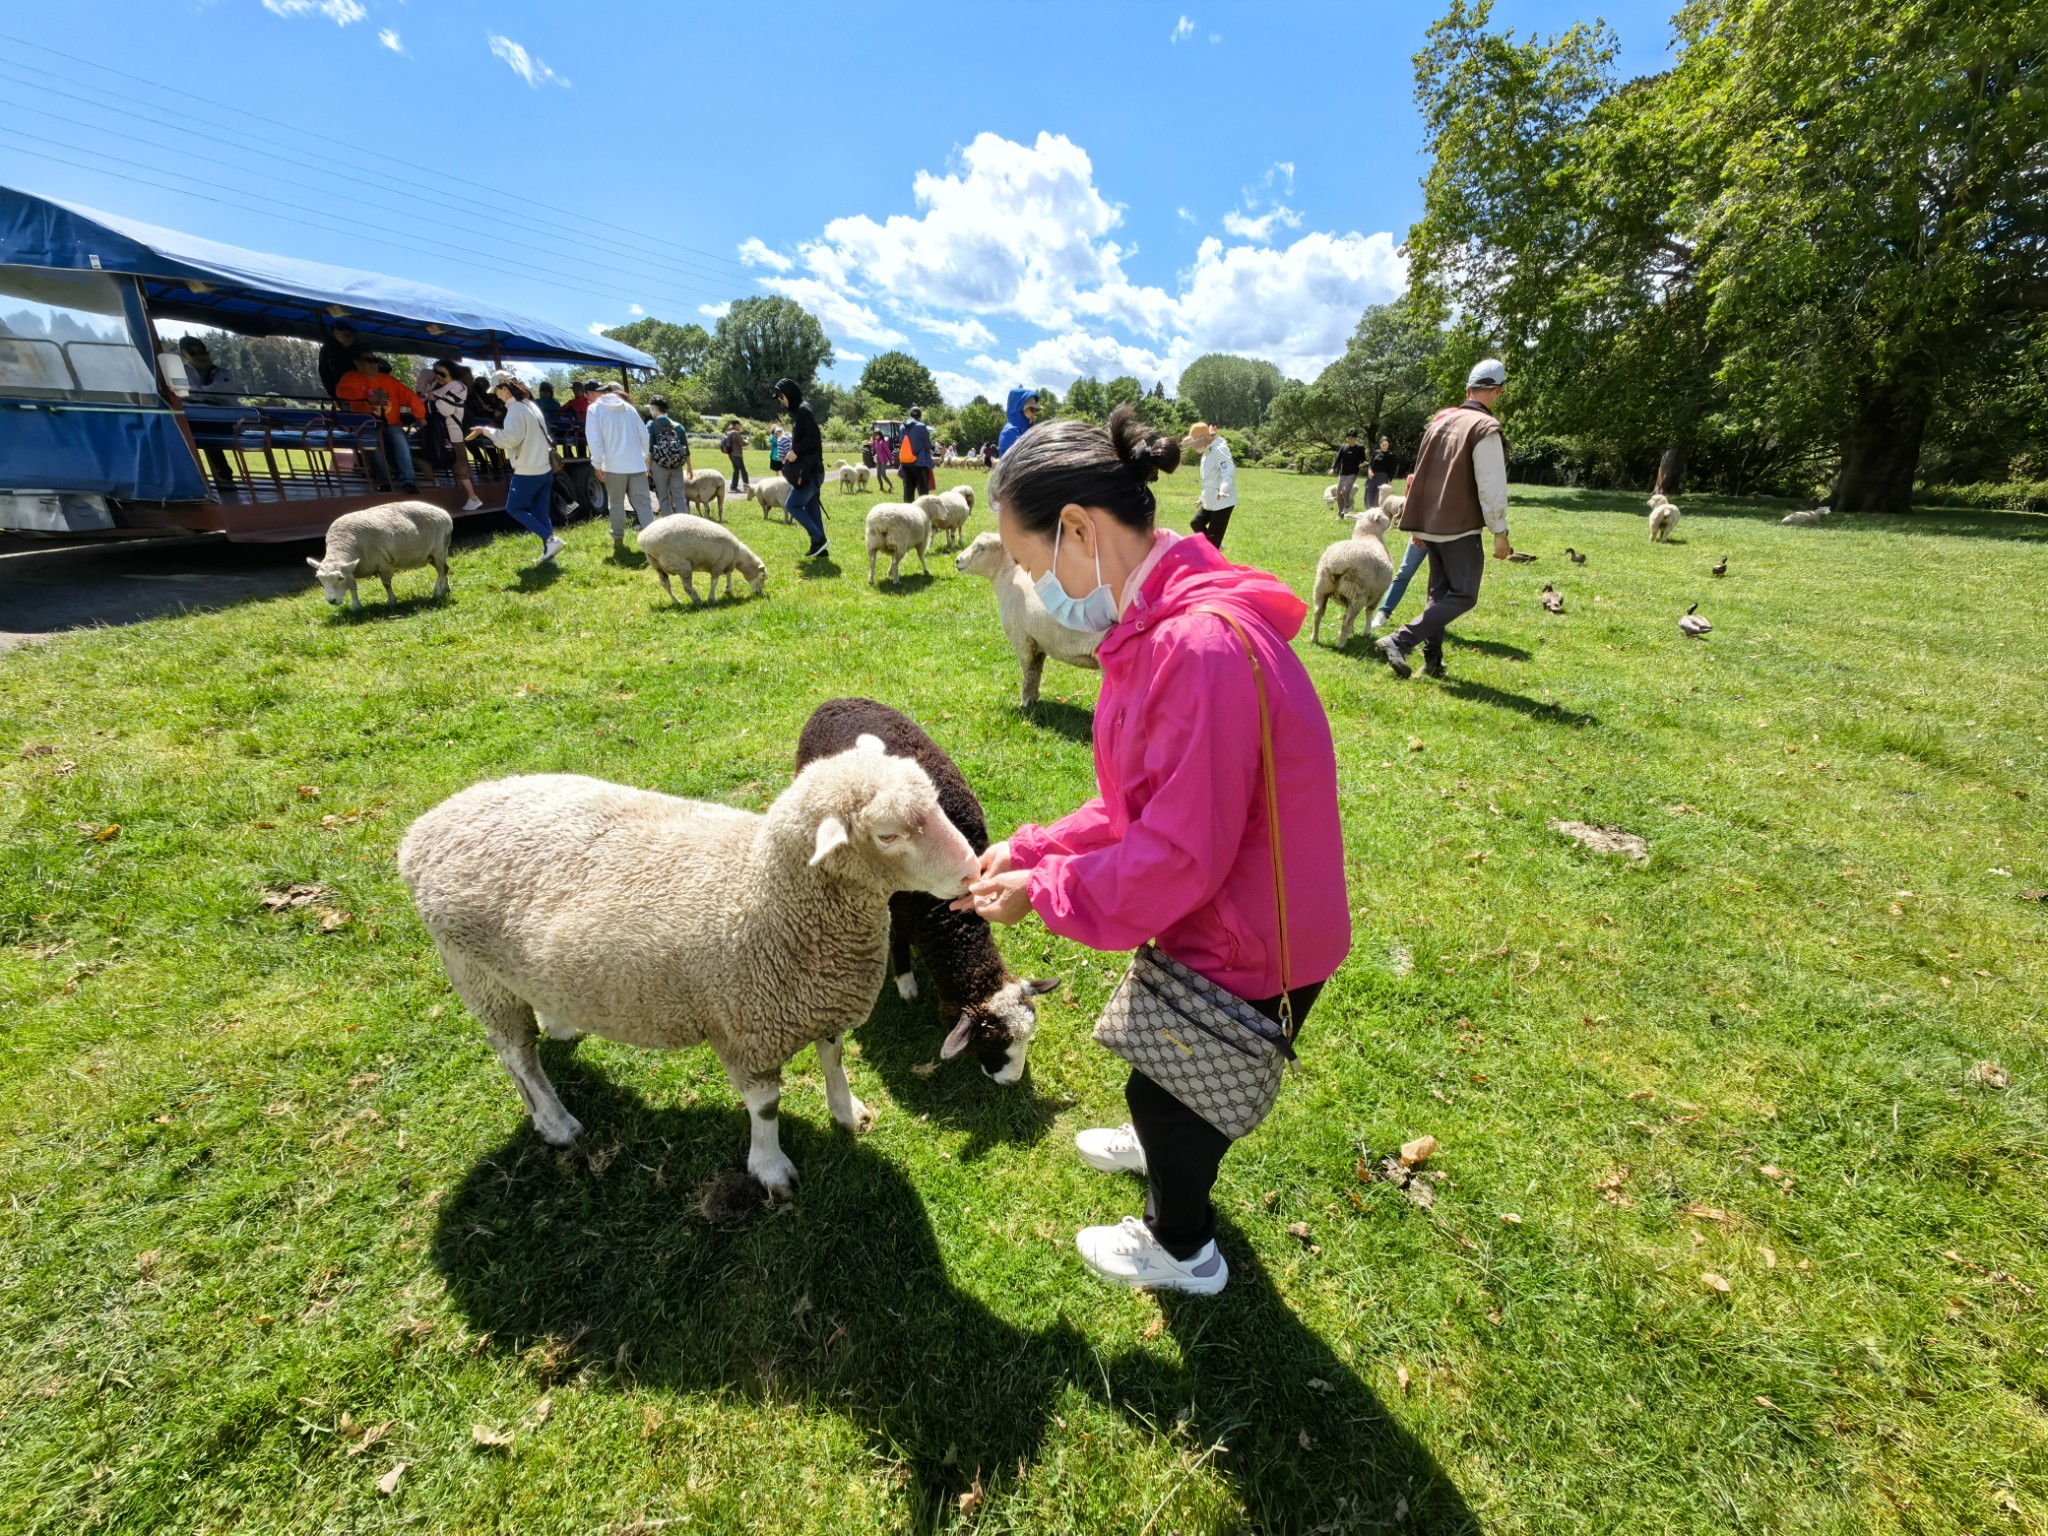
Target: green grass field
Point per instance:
(275, 1228)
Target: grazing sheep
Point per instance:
(772, 492)
(992, 1013)
(1329, 495)
(705, 488)
(681, 545)
(1807, 519)
(591, 908)
(851, 476)
(898, 527)
(1033, 633)
(1356, 571)
(1663, 518)
(949, 512)
(1393, 506)
(382, 541)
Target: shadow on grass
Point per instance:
(841, 1299)
(537, 577)
(627, 559)
(376, 610)
(905, 585)
(1520, 703)
(1076, 722)
(1498, 648)
(817, 570)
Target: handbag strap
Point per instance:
(1272, 818)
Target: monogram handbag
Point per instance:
(1208, 1048)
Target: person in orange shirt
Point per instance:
(369, 389)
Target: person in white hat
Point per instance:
(1457, 490)
(1219, 483)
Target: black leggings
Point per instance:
(739, 472)
(1212, 525)
(1183, 1151)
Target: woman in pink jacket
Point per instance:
(1175, 847)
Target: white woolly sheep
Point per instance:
(949, 512)
(772, 492)
(896, 528)
(1393, 506)
(1810, 518)
(1033, 632)
(681, 545)
(1664, 516)
(587, 908)
(382, 541)
(851, 476)
(1356, 571)
(706, 488)
(1329, 495)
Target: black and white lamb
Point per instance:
(994, 1013)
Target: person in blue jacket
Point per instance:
(1023, 412)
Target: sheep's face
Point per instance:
(1372, 521)
(757, 577)
(984, 557)
(337, 578)
(896, 826)
(998, 1030)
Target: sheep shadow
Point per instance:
(905, 585)
(1076, 722)
(627, 559)
(840, 1299)
(1521, 703)
(377, 611)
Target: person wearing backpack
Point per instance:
(668, 458)
(734, 446)
(914, 456)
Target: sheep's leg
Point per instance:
(355, 598)
(920, 558)
(1315, 636)
(1351, 614)
(871, 566)
(1033, 661)
(440, 574)
(895, 569)
(671, 591)
(899, 961)
(508, 1025)
(766, 1160)
(689, 575)
(846, 1109)
(390, 592)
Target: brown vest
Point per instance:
(1443, 495)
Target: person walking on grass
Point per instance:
(524, 441)
(1176, 846)
(618, 451)
(1219, 483)
(1380, 472)
(803, 466)
(447, 404)
(880, 453)
(668, 458)
(1458, 488)
(1350, 460)
(914, 456)
(734, 446)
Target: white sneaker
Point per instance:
(552, 548)
(1111, 1151)
(474, 504)
(1128, 1254)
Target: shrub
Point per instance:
(2006, 496)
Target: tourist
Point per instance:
(524, 441)
(914, 456)
(734, 446)
(370, 390)
(1219, 483)
(550, 408)
(1023, 411)
(1380, 472)
(1458, 488)
(881, 452)
(803, 466)
(448, 407)
(774, 449)
(668, 458)
(1178, 847)
(1350, 460)
(337, 356)
(1411, 562)
(617, 438)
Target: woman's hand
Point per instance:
(996, 860)
(1004, 898)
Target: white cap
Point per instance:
(1490, 374)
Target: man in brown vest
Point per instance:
(1458, 488)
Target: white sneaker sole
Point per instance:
(1103, 1164)
(1192, 1285)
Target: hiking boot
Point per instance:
(1432, 669)
(1128, 1254)
(1395, 657)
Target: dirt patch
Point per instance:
(1611, 841)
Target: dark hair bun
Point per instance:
(1145, 456)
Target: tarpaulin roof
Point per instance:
(187, 278)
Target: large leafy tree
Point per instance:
(979, 422)
(1229, 391)
(679, 351)
(1385, 384)
(900, 379)
(759, 341)
(1086, 399)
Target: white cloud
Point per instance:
(389, 39)
(598, 327)
(757, 253)
(840, 314)
(1182, 30)
(964, 334)
(340, 12)
(1295, 305)
(1186, 215)
(1246, 227)
(714, 311)
(845, 356)
(523, 64)
(635, 309)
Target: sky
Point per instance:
(1012, 193)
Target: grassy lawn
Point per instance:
(275, 1225)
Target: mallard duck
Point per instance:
(1690, 623)
(1574, 556)
(1722, 568)
(1553, 600)
(1519, 557)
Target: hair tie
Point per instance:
(1140, 462)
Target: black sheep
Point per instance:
(994, 1013)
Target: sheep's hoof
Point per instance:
(777, 1175)
(860, 1119)
(559, 1133)
(906, 986)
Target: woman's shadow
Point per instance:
(599, 1258)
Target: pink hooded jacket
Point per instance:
(1175, 849)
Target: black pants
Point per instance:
(739, 472)
(1454, 572)
(917, 481)
(1183, 1151)
(1212, 525)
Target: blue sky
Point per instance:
(1011, 192)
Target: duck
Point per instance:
(1690, 623)
(1553, 600)
(1574, 556)
(1519, 557)
(1722, 568)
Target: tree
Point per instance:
(1121, 390)
(678, 351)
(1386, 383)
(1229, 391)
(759, 341)
(979, 422)
(899, 379)
(1086, 399)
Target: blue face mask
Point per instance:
(1093, 614)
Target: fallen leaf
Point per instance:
(1714, 1282)
(971, 1500)
(1990, 1075)
(2034, 895)
(1771, 1171)
(1765, 1402)
(369, 1437)
(925, 1068)
(107, 834)
(1268, 1198)
(1511, 1218)
(1418, 1150)
(1703, 1212)
(388, 1483)
(1306, 1443)
(1493, 1316)
(1401, 1378)
(1770, 1257)
(1299, 1229)
(1414, 743)
(38, 749)
(488, 1439)
(1154, 1328)
(540, 1412)
(330, 920)
(1317, 1384)
(294, 896)
(309, 791)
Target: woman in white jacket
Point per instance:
(1219, 483)
(524, 440)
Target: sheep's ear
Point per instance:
(312, 562)
(869, 743)
(351, 566)
(957, 1041)
(831, 835)
(1038, 986)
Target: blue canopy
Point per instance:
(187, 278)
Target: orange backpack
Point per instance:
(906, 451)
